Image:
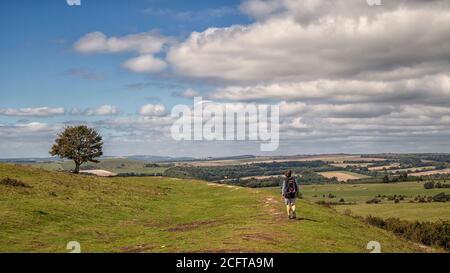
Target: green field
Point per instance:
(360, 193)
(168, 215)
(421, 212)
(115, 165)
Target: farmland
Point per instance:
(412, 170)
(337, 159)
(361, 193)
(343, 176)
(266, 171)
(427, 173)
(381, 168)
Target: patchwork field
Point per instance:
(445, 171)
(380, 168)
(343, 176)
(153, 214)
(345, 165)
(360, 193)
(416, 169)
(335, 159)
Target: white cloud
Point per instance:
(145, 44)
(142, 43)
(309, 11)
(31, 130)
(104, 110)
(33, 112)
(145, 64)
(428, 89)
(334, 45)
(152, 110)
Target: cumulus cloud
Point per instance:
(152, 110)
(26, 128)
(308, 11)
(104, 110)
(145, 44)
(428, 89)
(32, 112)
(142, 43)
(145, 64)
(332, 46)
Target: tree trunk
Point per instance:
(77, 167)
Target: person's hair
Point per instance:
(288, 173)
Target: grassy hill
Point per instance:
(167, 215)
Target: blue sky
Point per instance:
(348, 77)
(37, 55)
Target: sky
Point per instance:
(349, 77)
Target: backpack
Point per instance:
(291, 188)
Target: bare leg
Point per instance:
(294, 215)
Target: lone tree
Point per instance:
(79, 143)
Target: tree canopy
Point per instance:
(80, 144)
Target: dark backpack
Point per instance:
(291, 188)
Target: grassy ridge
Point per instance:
(167, 215)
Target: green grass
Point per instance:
(360, 193)
(168, 215)
(115, 165)
(412, 212)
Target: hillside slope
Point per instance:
(167, 215)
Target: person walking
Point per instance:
(290, 193)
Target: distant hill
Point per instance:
(153, 158)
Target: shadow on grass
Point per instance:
(306, 219)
